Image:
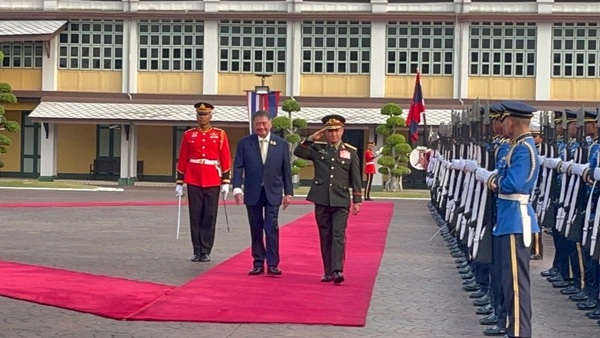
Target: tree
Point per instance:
(396, 150)
(6, 96)
(289, 127)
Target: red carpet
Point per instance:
(228, 294)
(107, 204)
(104, 296)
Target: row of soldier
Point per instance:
(494, 178)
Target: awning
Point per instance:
(30, 30)
(177, 114)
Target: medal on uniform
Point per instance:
(345, 154)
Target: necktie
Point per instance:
(263, 150)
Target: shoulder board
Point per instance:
(319, 142)
(217, 129)
(190, 129)
(350, 146)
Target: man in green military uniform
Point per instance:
(337, 169)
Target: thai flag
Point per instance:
(417, 107)
(268, 102)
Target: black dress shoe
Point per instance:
(468, 275)
(458, 255)
(594, 314)
(257, 270)
(494, 331)
(483, 301)
(485, 310)
(338, 277)
(579, 297)
(195, 258)
(274, 271)
(469, 281)
(561, 284)
(459, 260)
(589, 304)
(461, 265)
(464, 270)
(204, 258)
(491, 319)
(549, 273)
(477, 294)
(556, 278)
(472, 287)
(571, 290)
(326, 278)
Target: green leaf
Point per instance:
(12, 126)
(7, 98)
(403, 148)
(383, 170)
(300, 123)
(395, 122)
(4, 140)
(2, 111)
(395, 139)
(404, 159)
(383, 129)
(1, 164)
(3, 150)
(1, 56)
(391, 109)
(300, 163)
(295, 171)
(5, 88)
(292, 138)
(281, 123)
(290, 106)
(386, 161)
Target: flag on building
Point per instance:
(268, 102)
(417, 107)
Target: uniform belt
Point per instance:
(370, 163)
(204, 161)
(525, 219)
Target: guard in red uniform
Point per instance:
(205, 166)
(369, 169)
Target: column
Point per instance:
(48, 152)
(461, 64)
(543, 61)
(50, 65)
(378, 57)
(128, 154)
(294, 57)
(130, 57)
(211, 57)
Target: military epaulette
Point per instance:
(191, 129)
(217, 129)
(350, 146)
(320, 142)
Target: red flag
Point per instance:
(417, 107)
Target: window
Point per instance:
(252, 46)
(575, 50)
(92, 45)
(503, 49)
(22, 54)
(171, 46)
(336, 47)
(108, 144)
(427, 46)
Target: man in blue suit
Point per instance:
(262, 162)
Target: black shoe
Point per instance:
(594, 314)
(459, 260)
(536, 257)
(485, 310)
(458, 255)
(468, 275)
(560, 284)
(579, 297)
(589, 304)
(483, 301)
(472, 287)
(571, 290)
(462, 265)
(326, 278)
(494, 331)
(338, 277)
(470, 281)
(195, 258)
(464, 270)
(257, 270)
(491, 319)
(549, 273)
(477, 294)
(204, 258)
(556, 278)
(274, 271)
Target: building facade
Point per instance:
(112, 83)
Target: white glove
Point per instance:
(179, 190)
(238, 191)
(379, 151)
(447, 164)
(552, 163)
(597, 174)
(471, 165)
(541, 159)
(440, 157)
(577, 169)
(565, 166)
(482, 175)
(458, 164)
(225, 190)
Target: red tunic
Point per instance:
(369, 162)
(204, 158)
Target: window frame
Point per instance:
(590, 57)
(10, 55)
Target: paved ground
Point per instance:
(417, 293)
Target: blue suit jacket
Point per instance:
(275, 175)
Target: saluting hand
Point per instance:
(355, 208)
(317, 135)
